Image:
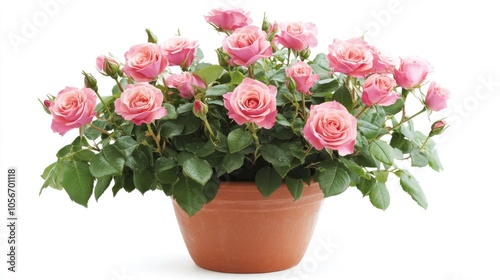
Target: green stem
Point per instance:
(119, 85)
(106, 107)
(304, 108)
(406, 120)
(155, 137)
(361, 112)
(253, 129)
(99, 129)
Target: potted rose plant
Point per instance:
(291, 125)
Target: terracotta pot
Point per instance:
(240, 231)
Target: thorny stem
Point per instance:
(155, 137)
(253, 130)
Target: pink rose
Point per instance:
(382, 64)
(180, 51)
(412, 72)
(72, 108)
(247, 45)
(436, 97)
(302, 75)
(140, 103)
(331, 126)
(378, 89)
(107, 65)
(297, 35)
(230, 19)
(252, 101)
(351, 57)
(144, 62)
(185, 83)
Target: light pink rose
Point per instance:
(351, 57)
(185, 83)
(180, 51)
(436, 97)
(252, 101)
(72, 108)
(412, 72)
(378, 89)
(228, 19)
(109, 68)
(247, 45)
(331, 126)
(382, 64)
(297, 35)
(303, 76)
(140, 103)
(144, 62)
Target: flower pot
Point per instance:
(240, 231)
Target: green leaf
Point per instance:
(171, 129)
(101, 186)
(365, 185)
(354, 167)
(78, 182)
(91, 133)
(418, 158)
(216, 91)
(368, 129)
(144, 180)
(382, 151)
(189, 195)
(236, 77)
(411, 186)
(109, 161)
(239, 139)
(276, 156)
(166, 170)
(171, 112)
(198, 170)
(433, 158)
(379, 196)
(394, 108)
(209, 73)
(333, 179)
(201, 149)
(84, 155)
(343, 96)
(232, 162)
(267, 180)
(295, 187)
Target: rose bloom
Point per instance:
(351, 57)
(140, 103)
(331, 126)
(144, 62)
(297, 35)
(185, 83)
(412, 72)
(378, 89)
(72, 108)
(252, 101)
(382, 64)
(247, 45)
(436, 97)
(228, 19)
(180, 51)
(302, 75)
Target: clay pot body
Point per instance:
(240, 231)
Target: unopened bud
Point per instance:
(305, 53)
(200, 109)
(89, 81)
(437, 128)
(108, 66)
(222, 57)
(290, 84)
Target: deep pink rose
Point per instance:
(228, 19)
(412, 72)
(378, 89)
(351, 57)
(180, 51)
(107, 68)
(302, 75)
(252, 101)
(331, 126)
(247, 45)
(185, 83)
(140, 103)
(297, 35)
(436, 97)
(72, 108)
(144, 62)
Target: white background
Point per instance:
(136, 237)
